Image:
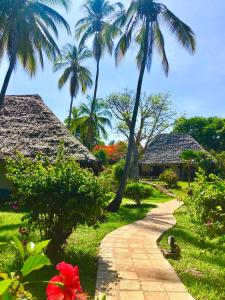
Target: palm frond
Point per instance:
(160, 46)
(182, 31)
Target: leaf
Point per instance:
(4, 285)
(30, 247)
(7, 296)
(4, 276)
(40, 246)
(35, 262)
(19, 246)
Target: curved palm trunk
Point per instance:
(134, 170)
(70, 113)
(115, 204)
(7, 77)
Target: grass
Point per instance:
(181, 190)
(202, 263)
(83, 245)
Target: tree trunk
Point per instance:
(70, 113)
(189, 175)
(96, 82)
(8, 76)
(134, 170)
(115, 204)
(90, 133)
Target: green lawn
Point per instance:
(202, 263)
(82, 248)
(181, 190)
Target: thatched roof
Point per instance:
(27, 125)
(167, 148)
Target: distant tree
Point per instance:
(155, 115)
(74, 126)
(79, 77)
(142, 21)
(96, 26)
(27, 31)
(220, 163)
(189, 157)
(93, 119)
(208, 132)
(115, 152)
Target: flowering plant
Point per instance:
(66, 285)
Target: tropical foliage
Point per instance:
(79, 76)
(138, 191)
(113, 152)
(207, 203)
(31, 258)
(57, 196)
(169, 177)
(90, 122)
(96, 26)
(142, 20)
(27, 31)
(209, 132)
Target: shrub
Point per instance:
(169, 177)
(101, 155)
(57, 196)
(207, 202)
(138, 191)
(118, 170)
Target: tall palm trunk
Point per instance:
(115, 204)
(8, 76)
(96, 82)
(134, 169)
(90, 129)
(70, 113)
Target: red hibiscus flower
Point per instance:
(66, 285)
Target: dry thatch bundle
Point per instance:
(167, 148)
(27, 125)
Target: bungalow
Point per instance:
(164, 153)
(27, 125)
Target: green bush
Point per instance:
(138, 191)
(207, 202)
(101, 155)
(169, 177)
(57, 196)
(118, 170)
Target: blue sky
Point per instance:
(197, 83)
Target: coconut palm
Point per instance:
(142, 20)
(74, 127)
(96, 25)
(75, 72)
(92, 121)
(28, 29)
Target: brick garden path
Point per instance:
(131, 266)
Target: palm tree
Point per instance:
(92, 121)
(74, 71)
(96, 25)
(27, 31)
(74, 127)
(143, 19)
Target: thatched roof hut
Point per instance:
(167, 148)
(165, 152)
(27, 125)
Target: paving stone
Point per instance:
(132, 295)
